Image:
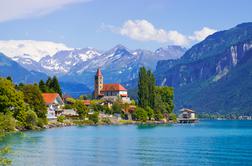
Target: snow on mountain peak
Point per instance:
(32, 49)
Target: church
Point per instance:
(114, 90)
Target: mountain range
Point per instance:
(215, 75)
(79, 65)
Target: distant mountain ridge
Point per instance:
(79, 65)
(200, 74)
(19, 74)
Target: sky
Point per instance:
(102, 24)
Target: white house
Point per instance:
(54, 104)
(187, 116)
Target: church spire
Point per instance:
(98, 83)
(98, 73)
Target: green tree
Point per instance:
(49, 82)
(30, 119)
(42, 86)
(10, 99)
(56, 86)
(9, 78)
(7, 123)
(151, 89)
(166, 95)
(81, 108)
(150, 112)
(158, 115)
(33, 97)
(140, 114)
(143, 91)
(146, 88)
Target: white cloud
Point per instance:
(142, 30)
(19, 9)
(202, 34)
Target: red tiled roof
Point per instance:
(112, 87)
(86, 102)
(49, 97)
(98, 73)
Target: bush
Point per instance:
(173, 117)
(94, 117)
(7, 123)
(61, 118)
(41, 122)
(116, 108)
(158, 115)
(106, 121)
(140, 114)
(150, 112)
(30, 119)
(81, 108)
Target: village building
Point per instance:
(187, 116)
(110, 92)
(54, 104)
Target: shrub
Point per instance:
(30, 119)
(158, 115)
(81, 108)
(116, 108)
(173, 117)
(7, 123)
(150, 112)
(106, 121)
(140, 114)
(61, 118)
(40, 122)
(94, 117)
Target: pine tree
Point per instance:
(42, 86)
(146, 88)
(9, 78)
(55, 85)
(143, 88)
(151, 89)
(49, 82)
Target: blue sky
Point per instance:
(134, 23)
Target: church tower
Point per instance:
(98, 83)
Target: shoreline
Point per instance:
(59, 124)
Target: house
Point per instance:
(108, 91)
(187, 116)
(54, 104)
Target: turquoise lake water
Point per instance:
(205, 143)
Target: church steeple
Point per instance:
(98, 83)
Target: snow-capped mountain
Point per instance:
(61, 62)
(118, 64)
(30, 49)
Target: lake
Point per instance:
(204, 143)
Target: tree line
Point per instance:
(51, 85)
